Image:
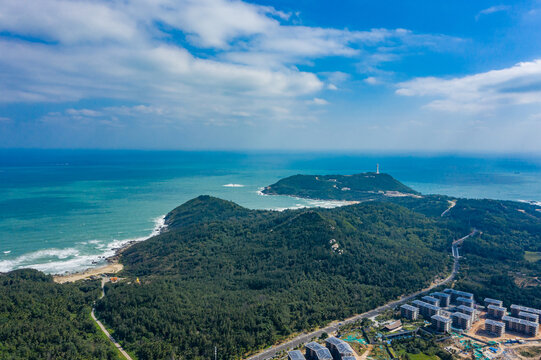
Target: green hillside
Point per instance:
(247, 278)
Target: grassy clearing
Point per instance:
(421, 356)
(532, 256)
(530, 352)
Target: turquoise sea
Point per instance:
(64, 210)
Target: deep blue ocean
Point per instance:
(62, 210)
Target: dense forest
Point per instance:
(43, 320)
(241, 279)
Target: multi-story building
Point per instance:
(489, 301)
(338, 348)
(461, 321)
(495, 327)
(456, 294)
(409, 312)
(295, 355)
(431, 300)
(468, 311)
(445, 299)
(515, 309)
(426, 309)
(525, 327)
(465, 301)
(315, 351)
(528, 316)
(496, 312)
(440, 323)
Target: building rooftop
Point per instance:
(460, 298)
(440, 294)
(494, 322)
(526, 309)
(461, 315)
(457, 292)
(469, 310)
(409, 307)
(296, 355)
(440, 318)
(529, 315)
(520, 321)
(489, 300)
(394, 325)
(425, 304)
(315, 346)
(499, 308)
(432, 298)
(342, 346)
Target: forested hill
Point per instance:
(240, 279)
(362, 186)
(503, 261)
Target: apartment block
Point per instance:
(315, 351)
(525, 327)
(456, 294)
(468, 311)
(461, 321)
(409, 312)
(441, 324)
(496, 328)
(515, 309)
(431, 300)
(338, 348)
(528, 316)
(496, 312)
(426, 309)
(295, 355)
(445, 299)
(465, 301)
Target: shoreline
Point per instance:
(112, 265)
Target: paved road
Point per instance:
(103, 329)
(307, 337)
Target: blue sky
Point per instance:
(438, 76)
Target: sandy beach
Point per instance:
(97, 271)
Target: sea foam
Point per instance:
(88, 254)
(233, 185)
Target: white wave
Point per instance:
(69, 260)
(234, 185)
(7, 252)
(532, 202)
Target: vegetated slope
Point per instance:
(338, 187)
(43, 320)
(494, 263)
(243, 282)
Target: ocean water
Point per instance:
(65, 210)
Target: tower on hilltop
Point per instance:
(377, 169)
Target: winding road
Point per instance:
(103, 329)
(334, 326)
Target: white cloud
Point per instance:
(492, 10)
(371, 80)
(130, 51)
(319, 101)
(516, 85)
